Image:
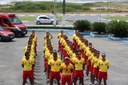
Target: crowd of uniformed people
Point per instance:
(28, 60)
(73, 61)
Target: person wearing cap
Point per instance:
(66, 69)
(103, 65)
(53, 68)
(79, 64)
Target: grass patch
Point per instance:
(27, 18)
(118, 18)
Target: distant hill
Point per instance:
(70, 7)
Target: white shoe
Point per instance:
(86, 78)
(90, 83)
(48, 81)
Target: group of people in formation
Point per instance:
(73, 61)
(28, 60)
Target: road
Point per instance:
(11, 53)
(73, 17)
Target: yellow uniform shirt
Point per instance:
(55, 65)
(27, 64)
(79, 63)
(95, 62)
(66, 70)
(103, 65)
(74, 36)
(59, 35)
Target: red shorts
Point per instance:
(66, 79)
(95, 72)
(46, 65)
(91, 69)
(102, 75)
(88, 64)
(78, 74)
(54, 75)
(27, 74)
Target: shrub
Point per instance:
(99, 27)
(82, 25)
(118, 29)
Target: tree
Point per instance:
(82, 25)
(98, 27)
(118, 29)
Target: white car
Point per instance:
(44, 19)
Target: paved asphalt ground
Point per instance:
(11, 53)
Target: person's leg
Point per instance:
(93, 79)
(75, 80)
(63, 80)
(100, 81)
(24, 81)
(105, 83)
(24, 75)
(31, 77)
(51, 82)
(69, 80)
(58, 82)
(57, 76)
(31, 81)
(52, 77)
(82, 81)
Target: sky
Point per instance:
(77, 1)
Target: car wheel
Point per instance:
(38, 23)
(52, 23)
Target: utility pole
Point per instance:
(55, 13)
(63, 16)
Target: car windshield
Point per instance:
(1, 28)
(15, 20)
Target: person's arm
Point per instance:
(83, 66)
(22, 65)
(49, 68)
(108, 65)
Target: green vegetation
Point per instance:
(114, 28)
(117, 29)
(70, 7)
(28, 18)
(117, 18)
(99, 27)
(82, 25)
(44, 7)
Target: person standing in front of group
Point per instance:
(66, 69)
(27, 64)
